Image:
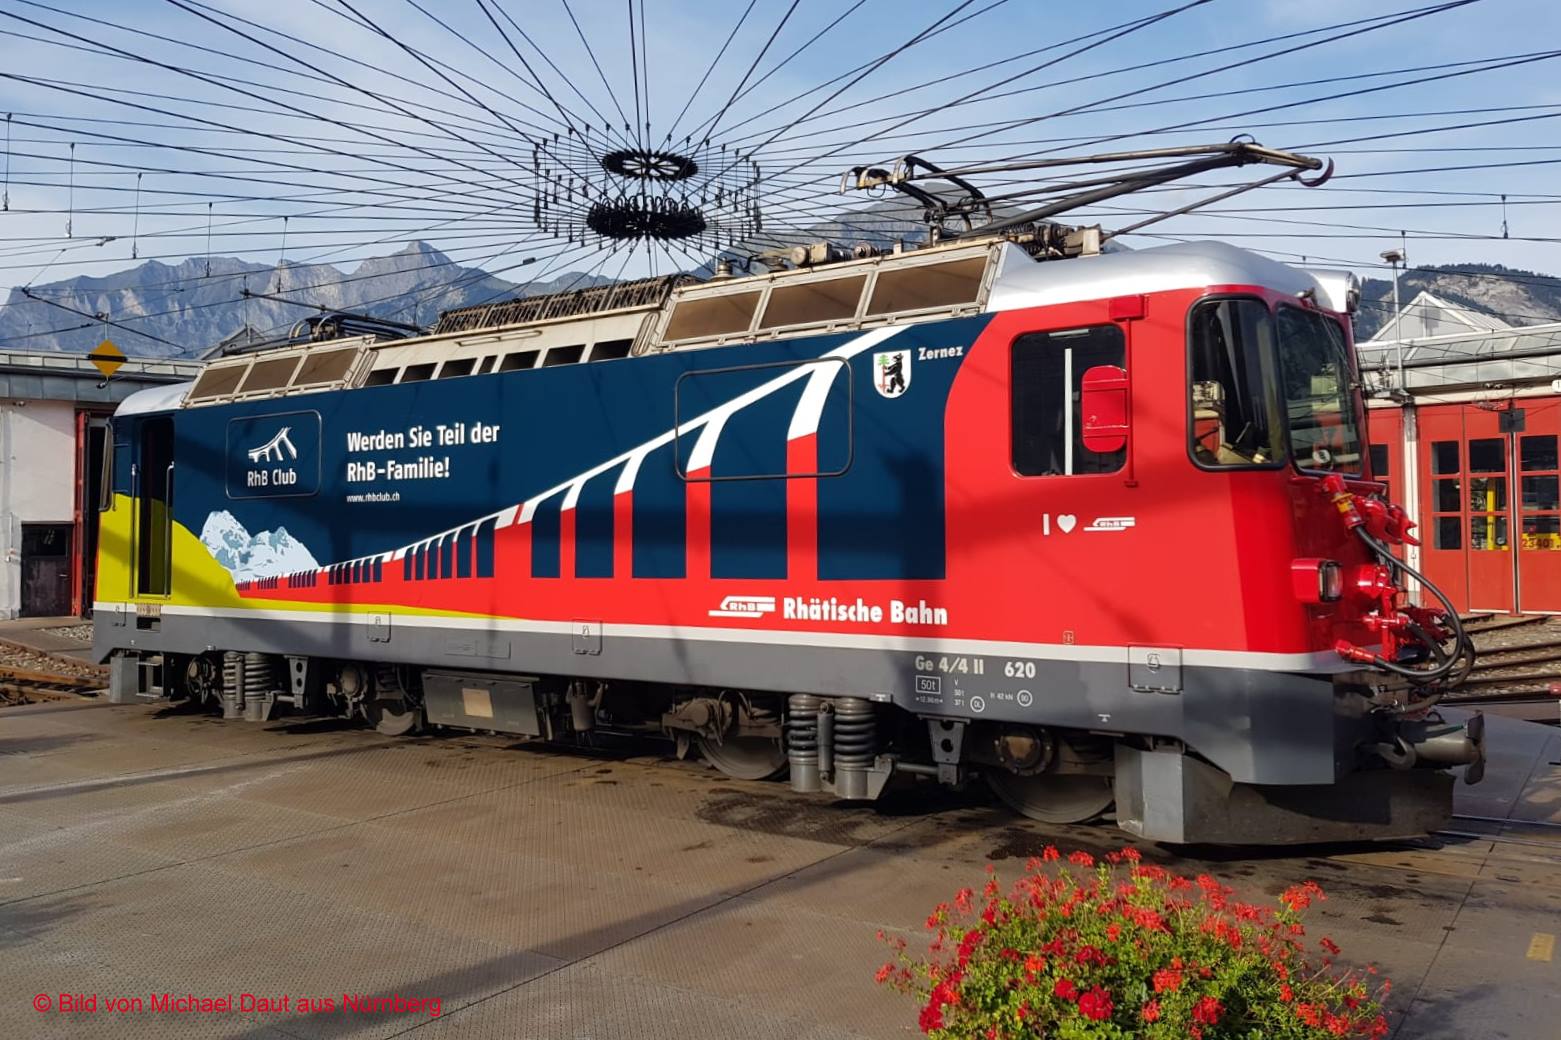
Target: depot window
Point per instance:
(1232, 404)
(1046, 376)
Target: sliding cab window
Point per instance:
(1320, 407)
(1232, 401)
(106, 471)
(1048, 378)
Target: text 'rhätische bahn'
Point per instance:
(1093, 525)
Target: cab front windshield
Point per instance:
(1316, 383)
(1264, 383)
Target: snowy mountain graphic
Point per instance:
(267, 554)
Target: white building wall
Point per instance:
(37, 481)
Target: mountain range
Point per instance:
(181, 310)
(247, 557)
(1515, 296)
(184, 309)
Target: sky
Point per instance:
(333, 130)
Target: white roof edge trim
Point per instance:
(155, 399)
(1184, 265)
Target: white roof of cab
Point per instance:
(1185, 265)
(154, 399)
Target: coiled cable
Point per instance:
(1461, 660)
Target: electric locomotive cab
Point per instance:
(1275, 405)
(1274, 386)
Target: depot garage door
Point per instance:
(1490, 507)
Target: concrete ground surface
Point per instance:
(537, 893)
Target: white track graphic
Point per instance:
(277, 449)
(819, 372)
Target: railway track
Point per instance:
(24, 686)
(28, 676)
(1518, 671)
(1539, 834)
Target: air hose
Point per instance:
(1460, 660)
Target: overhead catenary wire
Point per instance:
(795, 209)
(715, 61)
(1053, 83)
(847, 74)
(509, 246)
(229, 56)
(1109, 38)
(708, 130)
(634, 74)
(595, 63)
(607, 124)
(241, 90)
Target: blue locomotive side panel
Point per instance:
(276, 487)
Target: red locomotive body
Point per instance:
(1099, 531)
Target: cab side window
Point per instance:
(1046, 377)
(1233, 405)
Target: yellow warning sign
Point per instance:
(107, 358)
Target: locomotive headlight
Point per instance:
(1317, 581)
(1330, 581)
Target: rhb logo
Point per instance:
(745, 607)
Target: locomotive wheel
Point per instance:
(393, 718)
(1053, 797)
(745, 758)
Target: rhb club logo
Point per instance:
(892, 372)
(274, 456)
(278, 449)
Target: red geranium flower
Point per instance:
(1207, 1011)
(967, 946)
(1137, 922)
(1299, 897)
(1090, 955)
(1096, 1004)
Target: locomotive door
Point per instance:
(1538, 505)
(1493, 499)
(1445, 529)
(1487, 504)
(153, 534)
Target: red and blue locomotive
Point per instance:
(1098, 530)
